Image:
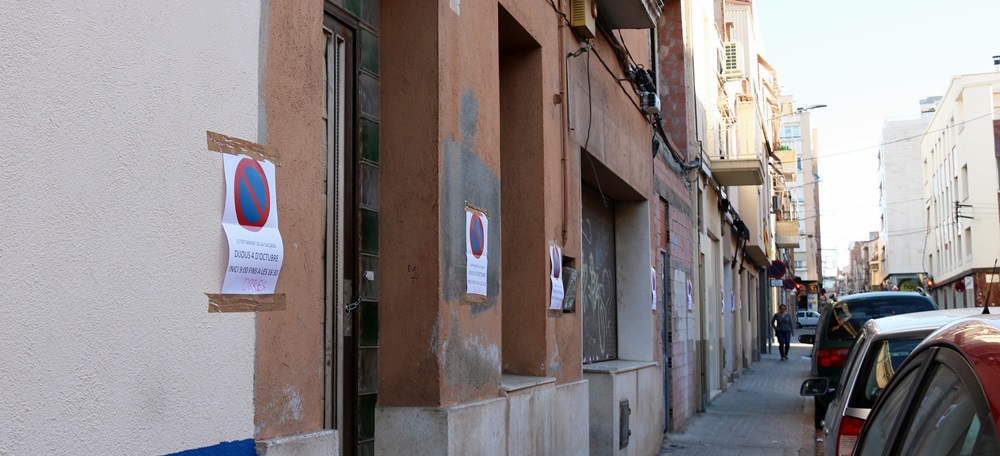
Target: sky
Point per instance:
(869, 61)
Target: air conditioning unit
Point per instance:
(583, 17)
(733, 64)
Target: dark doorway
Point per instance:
(600, 304)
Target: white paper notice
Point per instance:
(690, 295)
(476, 235)
(250, 220)
(652, 281)
(555, 276)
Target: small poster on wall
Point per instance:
(476, 248)
(555, 276)
(250, 220)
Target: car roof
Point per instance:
(978, 340)
(880, 294)
(929, 319)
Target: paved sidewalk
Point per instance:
(760, 414)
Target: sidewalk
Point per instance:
(760, 414)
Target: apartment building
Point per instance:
(903, 222)
(960, 164)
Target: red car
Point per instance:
(945, 399)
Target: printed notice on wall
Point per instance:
(476, 234)
(250, 220)
(555, 276)
(690, 295)
(652, 281)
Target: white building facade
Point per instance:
(960, 174)
(904, 224)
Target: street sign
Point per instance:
(788, 284)
(776, 269)
(960, 286)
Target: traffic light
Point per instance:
(929, 282)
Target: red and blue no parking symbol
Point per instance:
(252, 195)
(477, 236)
(556, 262)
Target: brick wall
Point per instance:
(677, 221)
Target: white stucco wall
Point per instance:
(111, 225)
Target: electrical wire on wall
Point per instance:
(638, 77)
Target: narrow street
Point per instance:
(761, 414)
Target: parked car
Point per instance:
(945, 399)
(839, 325)
(806, 318)
(879, 350)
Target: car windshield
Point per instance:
(878, 367)
(847, 317)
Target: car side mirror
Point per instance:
(814, 387)
(807, 339)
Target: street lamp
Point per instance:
(800, 110)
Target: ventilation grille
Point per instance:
(733, 67)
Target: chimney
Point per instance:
(996, 62)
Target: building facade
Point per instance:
(798, 134)
(963, 232)
(904, 224)
(716, 191)
(441, 170)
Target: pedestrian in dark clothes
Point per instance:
(782, 323)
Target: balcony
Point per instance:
(789, 165)
(738, 170)
(629, 14)
(786, 234)
(742, 164)
(754, 215)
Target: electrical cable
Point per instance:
(862, 149)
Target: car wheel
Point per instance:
(820, 414)
(798, 325)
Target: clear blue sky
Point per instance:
(869, 60)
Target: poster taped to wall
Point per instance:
(476, 248)
(652, 282)
(555, 276)
(250, 220)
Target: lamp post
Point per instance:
(801, 109)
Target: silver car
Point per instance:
(880, 348)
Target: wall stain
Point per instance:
(555, 364)
(465, 178)
(293, 406)
(469, 363)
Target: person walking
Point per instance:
(782, 323)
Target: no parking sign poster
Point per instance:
(250, 220)
(476, 234)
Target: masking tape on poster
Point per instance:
(219, 142)
(218, 303)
